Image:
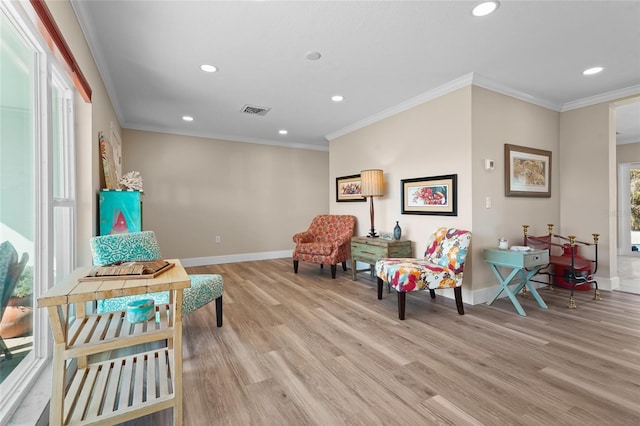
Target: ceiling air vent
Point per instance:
(255, 110)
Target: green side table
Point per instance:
(370, 250)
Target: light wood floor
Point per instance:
(308, 350)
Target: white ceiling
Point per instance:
(382, 56)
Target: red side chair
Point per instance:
(327, 242)
(567, 268)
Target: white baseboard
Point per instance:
(234, 258)
(483, 295)
(612, 283)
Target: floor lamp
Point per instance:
(372, 185)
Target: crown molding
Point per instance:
(603, 97)
(229, 138)
(439, 91)
(487, 83)
(466, 80)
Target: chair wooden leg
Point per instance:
(295, 266)
(344, 266)
(402, 297)
(333, 271)
(380, 285)
(457, 291)
(219, 311)
(432, 292)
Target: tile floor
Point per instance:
(629, 273)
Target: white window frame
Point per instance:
(21, 381)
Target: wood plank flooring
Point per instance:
(308, 350)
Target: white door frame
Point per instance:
(624, 209)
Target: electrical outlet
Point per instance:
(218, 239)
(487, 202)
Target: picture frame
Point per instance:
(386, 235)
(348, 189)
(527, 172)
(435, 195)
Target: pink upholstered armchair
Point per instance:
(327, 242)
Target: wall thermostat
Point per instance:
(489, 164)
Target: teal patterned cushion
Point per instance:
(143, 245)
(204, 288)
(107, 249)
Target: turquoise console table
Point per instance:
(524, 264)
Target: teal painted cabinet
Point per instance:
(120, 211)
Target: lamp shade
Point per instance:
(372, 183)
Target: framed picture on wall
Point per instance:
(527, 172)
(348, 188)
(435, 195)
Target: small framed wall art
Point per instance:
(527, 172)
(348, 188)
(435, 195)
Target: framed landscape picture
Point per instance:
(527, 172)
(348, 188)
(436, 195)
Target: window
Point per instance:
(37, 192)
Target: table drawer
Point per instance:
(535, 259)
(367, 256)
(516, 259)
(400, 251)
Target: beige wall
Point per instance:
(588, 182)
(451, 134)
(428, 140)
(255, 197)
(499, 120)
(473, 124)
(90, 119)
(628, 153)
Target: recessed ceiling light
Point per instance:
(208, 68)
(187, 118)
(313, 55)
(283, 132)
(337, 98)
(592, 70)
(485, 8)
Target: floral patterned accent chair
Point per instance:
(441, 267)
(10, 271)
(143, 246)
(327, 242)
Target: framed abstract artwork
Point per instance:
(435, 195)
(348, 188)
(527, 172)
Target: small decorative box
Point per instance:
(140, 310)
